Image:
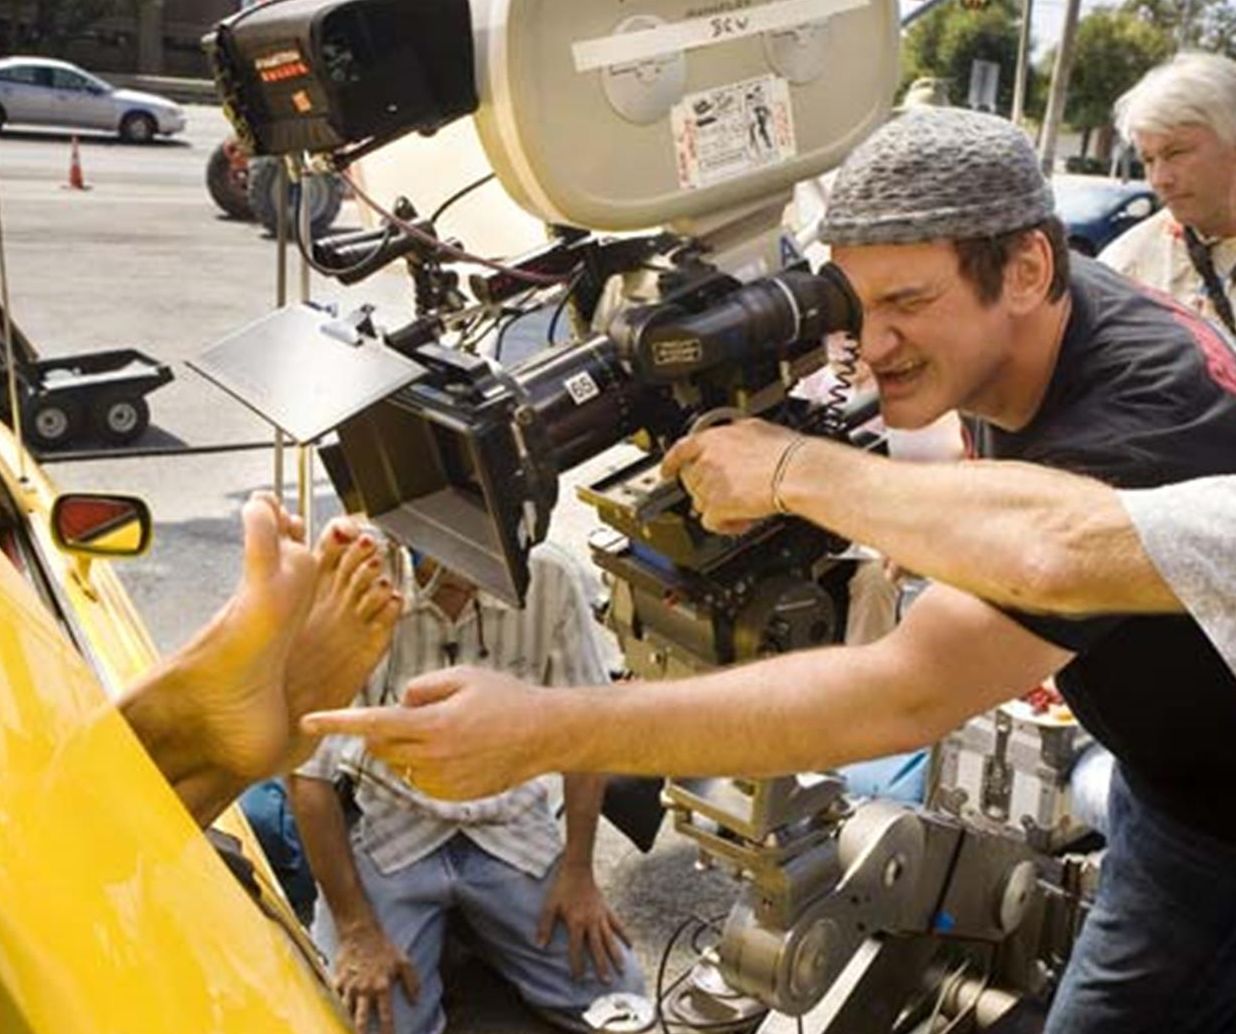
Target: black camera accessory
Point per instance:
(342, 76)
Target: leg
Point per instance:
(214, 715)
(411, 903)
(503, 905)
(265, 805)
(1158, 950)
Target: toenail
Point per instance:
(375, 562)
(366, 542)
(384, 583)
(341, 536)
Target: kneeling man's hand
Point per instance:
(577, 903)
(368, 970)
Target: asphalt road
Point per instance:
(143, 259)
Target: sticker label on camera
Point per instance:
(284, 62)
(582, 388)
(732, 130)
(677, 352)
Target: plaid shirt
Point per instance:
(552, 641)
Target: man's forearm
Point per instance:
(775, 711)
(806, 711)
(324, 833)
(1017, 534)
(582, 794)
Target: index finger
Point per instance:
(373, 723)
(683, 452)
(386, 1014)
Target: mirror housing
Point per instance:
(96, 524)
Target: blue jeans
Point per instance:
(501, 906)
(1157, 954)
(265, 805)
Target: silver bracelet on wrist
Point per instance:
(783, 464)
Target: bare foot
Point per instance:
(217, 705)
(349, 627)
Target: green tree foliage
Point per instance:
(1114, 50)
(48, 26)
(944, 44)
(1208, 25)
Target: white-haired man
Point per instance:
(1181, 117)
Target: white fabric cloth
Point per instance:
(551, 641)
(1154, 253)
(1187, 531)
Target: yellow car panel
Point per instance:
(116, 913)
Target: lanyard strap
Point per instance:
(1199, 255)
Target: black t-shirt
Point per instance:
(1143, 394)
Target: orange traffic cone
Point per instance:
(76, 180)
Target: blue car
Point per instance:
(1096, 209)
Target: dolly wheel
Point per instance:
(118, 419)
(50, 423)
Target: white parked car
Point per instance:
(40, 91)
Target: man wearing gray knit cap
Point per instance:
(937, 174)
(944, 227)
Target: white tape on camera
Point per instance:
(709, 30)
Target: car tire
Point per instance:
(229, 189)
(325, 198)
(119, 418)
(50, 423)
(3, 116)
(137, 127)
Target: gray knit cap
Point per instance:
(937, 174)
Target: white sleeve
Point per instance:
(1187, 531)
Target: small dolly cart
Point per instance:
(63, 399)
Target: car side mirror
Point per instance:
(91, 524)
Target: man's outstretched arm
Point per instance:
(467, 732)
(1014, 533)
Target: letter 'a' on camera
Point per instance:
(320, 75)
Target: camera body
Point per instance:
(464, 461)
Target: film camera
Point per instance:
(658, 114)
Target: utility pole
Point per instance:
(1059, 87)
(150, 37)
(1020, 83)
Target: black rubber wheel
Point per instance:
(119, 419)
(138, 128)
(228, 186)
(50, 423)
(325, 198)
(3, 116)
